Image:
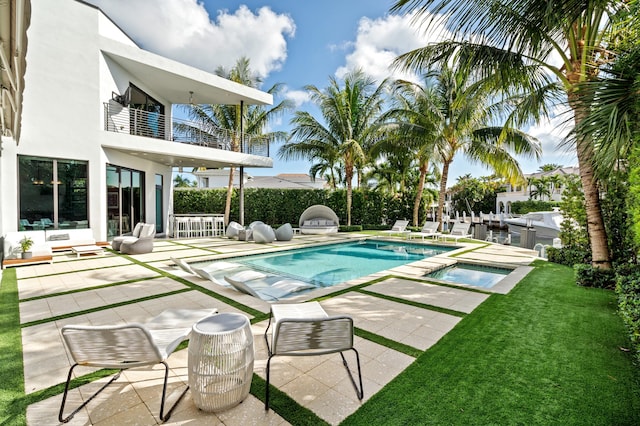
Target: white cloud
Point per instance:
(297, 96)
(380, 41)
(183, 30)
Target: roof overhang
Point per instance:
(174, 81)
(176, 154)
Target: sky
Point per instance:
(295, 43)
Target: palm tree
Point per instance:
(230, 118)
(413, 120)
(351, 114)
(462, 118)
(523, 42)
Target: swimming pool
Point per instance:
(336, 263)
(475, 275)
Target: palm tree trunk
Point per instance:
(600, 255)
(443, 190)
(348, 177)
(227, 205)
(416, 205)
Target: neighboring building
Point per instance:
(96, 146)
(219, 178)
(525, 193)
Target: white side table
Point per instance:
(221, 358)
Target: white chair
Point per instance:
(398, 228)
(117, 241)
(195, 226)
(182, 227)
(429, 230)
(305, 329)
(208, 226)
(128, 346)
(459, 230)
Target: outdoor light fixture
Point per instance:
(529, 223)
(191, 97)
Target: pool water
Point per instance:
(475, 275)
(337, 263)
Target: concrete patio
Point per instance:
(116, 289)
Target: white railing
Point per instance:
(120, 119)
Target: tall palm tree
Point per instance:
(414, 122)
(350, 113)
(524, 42)
(463, 115)
(230, 117)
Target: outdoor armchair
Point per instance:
(127, 346)
(305, 329)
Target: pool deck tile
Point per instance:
(318, 383)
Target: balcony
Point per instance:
(120, 119)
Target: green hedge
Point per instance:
(628, 291)
(523, 207)
(277, 206)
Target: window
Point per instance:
(53, 193)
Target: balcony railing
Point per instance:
(120, 119)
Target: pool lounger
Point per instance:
(265, 287)
(208, 272)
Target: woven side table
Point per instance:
(220, 361)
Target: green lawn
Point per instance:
(547, 353)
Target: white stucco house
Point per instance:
(524, 192)
(87, 132)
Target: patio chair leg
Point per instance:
(359, 391)
(164, 393)
(266, 399)
(62, 419)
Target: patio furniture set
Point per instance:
(220, 351)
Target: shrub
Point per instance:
(352, 228)
(588, 276)
(628, 292)
(568, 256)
(522, 207)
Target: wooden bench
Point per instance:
(31, 261)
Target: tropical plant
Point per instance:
(413, 121)
(182, 182)
(239, 121)
(541, 52)
(351, 113)
(26, 243)
(463, 116)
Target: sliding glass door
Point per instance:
(125, 199)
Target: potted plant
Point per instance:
(26, 243)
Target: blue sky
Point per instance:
(295, 43)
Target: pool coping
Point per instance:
(419, 268)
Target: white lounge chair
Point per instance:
(182, 265)
(214, 271)
(459, 230)
(128, 346)
(266, 287)
(398, 228)
(305, 329)
(429, 230)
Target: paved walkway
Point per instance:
(114, 289)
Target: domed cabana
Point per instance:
(319, 219)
